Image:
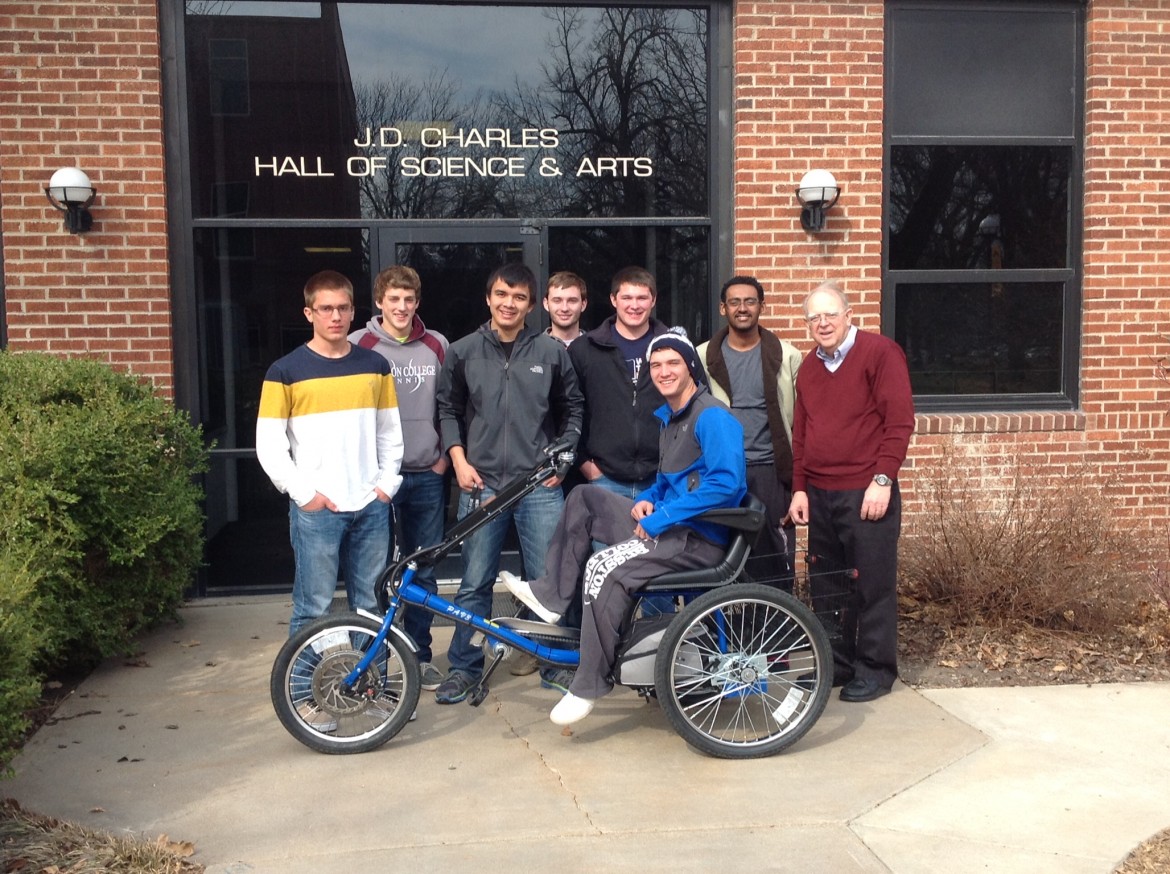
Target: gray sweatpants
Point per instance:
(611, 576)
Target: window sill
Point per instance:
(999, 423)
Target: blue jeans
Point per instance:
(652, 605)
(626, 490)
(419, 508)
(355, 542)
(536, 518)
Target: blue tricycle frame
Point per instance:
(743, 669)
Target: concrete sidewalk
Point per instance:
(183, 741)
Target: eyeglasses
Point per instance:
(345, 309)
(817, 318)
(746, 302)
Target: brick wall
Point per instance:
(80, 86)
(809, 94)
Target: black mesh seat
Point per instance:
(746, 522)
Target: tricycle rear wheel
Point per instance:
(744, 671)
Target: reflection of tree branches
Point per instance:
(623, 83)
(396, 102)
(208, 7)
(942, 198)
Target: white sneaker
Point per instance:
(523, 594)
(571, 709)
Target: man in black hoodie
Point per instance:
(619, 440)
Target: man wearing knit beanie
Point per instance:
(676, 339)
(701, 468)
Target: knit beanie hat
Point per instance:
(676, 339)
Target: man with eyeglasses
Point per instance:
(754, 373)
(328, 435)
(851, 430)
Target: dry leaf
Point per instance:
(179, 848)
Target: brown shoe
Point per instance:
(523, 665)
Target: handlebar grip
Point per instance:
(564, 461)
(557, 447)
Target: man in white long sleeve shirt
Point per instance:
(329, 436)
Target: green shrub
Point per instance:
(98, 499)
(19, 687)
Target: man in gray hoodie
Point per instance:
(416, 357)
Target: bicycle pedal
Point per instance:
(477, 695)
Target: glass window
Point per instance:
(978, 207)
(395, 110)
(449, 136)
(228, 72)
(983, 193)
(251, 311)
(676, 256)
(1007, 342)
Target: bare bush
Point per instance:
(1004, 549)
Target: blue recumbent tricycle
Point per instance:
(743, 669)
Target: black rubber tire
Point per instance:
(306, 686)
(744, 671)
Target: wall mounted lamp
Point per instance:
(70, 191)
(818, 191)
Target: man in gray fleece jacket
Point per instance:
(506, 392)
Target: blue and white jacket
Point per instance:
(701, 467)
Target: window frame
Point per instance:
(182, 224)
(1068, 396)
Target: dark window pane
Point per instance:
(981, 338)
(229, 77)
(247, 527)
(990, 71)
(449, 111)
(251, 312)
(676, 256)
(978, 207)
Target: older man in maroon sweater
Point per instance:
(852, 424)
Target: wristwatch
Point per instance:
(882, 480)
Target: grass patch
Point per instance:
(33, 843)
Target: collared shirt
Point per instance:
(832, 362)
(567, 343)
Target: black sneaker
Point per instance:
(556, 678)
(455, 688)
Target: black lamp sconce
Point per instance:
(817, 193)
(70, 191)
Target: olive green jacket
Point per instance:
(781, 361)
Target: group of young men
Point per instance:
(352, 423)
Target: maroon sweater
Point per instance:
(856, 422)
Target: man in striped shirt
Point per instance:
(329, 436)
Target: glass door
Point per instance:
(454, 264)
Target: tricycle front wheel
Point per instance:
(315, 706)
